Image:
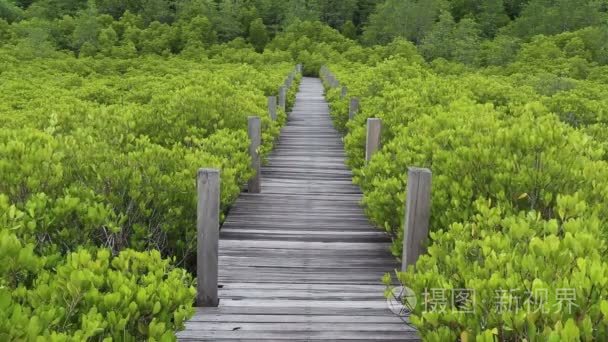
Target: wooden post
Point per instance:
(272, 107)
(254, 129)
(299, 68)
(344, 92)
(282, 97)
(417, 215)
(207, 236)
(353, 107)
(372, 143)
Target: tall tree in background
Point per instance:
(410, 19)
(462, 8)
(492, 16)
(514, 7)
(450, 40)
(555, 16)
(466, 41)
(364, 9)
(188, 9)
(336, 12)
(9, 11)
(199, 30)
(436, 44)
(258, 36)
(276, 13)
(86, 28)
(157, 10)
(226, 21)
(299, 10)
(51, 9)
(349, 30)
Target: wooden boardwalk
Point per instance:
(300, 261)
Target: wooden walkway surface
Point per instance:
(300, 261)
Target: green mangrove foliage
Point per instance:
(518, 191)
(98, 159)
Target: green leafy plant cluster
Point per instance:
(89, 295)
(518, 190)
(533, 279)
(98, 159)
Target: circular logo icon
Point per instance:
(401, 301)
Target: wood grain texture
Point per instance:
(353, 107)
(374, 133)
(282, 97)
(300, 261)
(272, 107)
(417, 215)
(208, 229)
(254, 130)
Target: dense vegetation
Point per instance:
(107, 108)
(519, 183)
(98, 159)
(476, 32)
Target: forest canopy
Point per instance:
(474, 32)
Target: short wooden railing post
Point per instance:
(343, 92)
(207, 236)
(417, 215)
(254, 129)
(282, 97)
(288, 81)
(272, 107)
(372, 142)
(353, 107)
(335, 81)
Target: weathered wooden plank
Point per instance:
(289, 318)
(286, 253)
(296, 326)
(295, 335)
(295, 245)
(316, 311)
